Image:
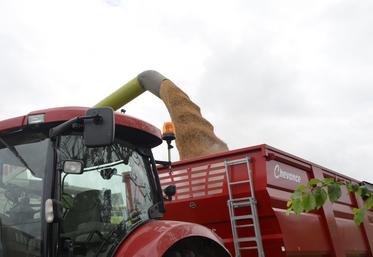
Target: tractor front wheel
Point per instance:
(196, 247)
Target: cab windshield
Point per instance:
(22, 167)
(108, 199)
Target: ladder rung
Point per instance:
(241, 204)
(243, 199)
(247, 239)
(239, 182)
(243, 217)
(248, 219)
(245, 226)
(248, 248)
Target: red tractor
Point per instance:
(83, 182)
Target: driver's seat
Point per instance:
(86, 208)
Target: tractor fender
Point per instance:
(156, 237)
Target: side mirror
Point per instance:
(170, 191)
(100, 130)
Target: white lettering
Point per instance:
(279, 173)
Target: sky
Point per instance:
(296, 75)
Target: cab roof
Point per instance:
(138, 130)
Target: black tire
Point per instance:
(196, 247)
(184, 253)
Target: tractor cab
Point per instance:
(75, 182)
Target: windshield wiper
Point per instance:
(100, 167)
(14, 151)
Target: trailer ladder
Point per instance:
(242, 211)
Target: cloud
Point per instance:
(292, 74)
(302, 92)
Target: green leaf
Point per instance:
(289, 203)
(288, 211)
(355, 187)
(334, 191)
(320, 197)
(359, 215)
(314, 182)
(349, 187)
(296, 195)
(328, 181)
(352, 187)
(369, 203)
(297, 206)
(308, 201)
(362, 191)
(301, 188)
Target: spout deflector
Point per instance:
(151, 80)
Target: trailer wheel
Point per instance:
(196, 247)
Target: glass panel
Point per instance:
(112, 195)
(21, 191)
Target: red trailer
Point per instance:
(242, 195)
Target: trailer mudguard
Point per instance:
(158, 238)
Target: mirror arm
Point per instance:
(59, 129)
(97, 119)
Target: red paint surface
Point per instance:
(65, 113)
(155, 237)
(329, 231)
(12, 123)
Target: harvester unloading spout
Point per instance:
(194, 134)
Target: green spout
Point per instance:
(123, 95)
(147, 80)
